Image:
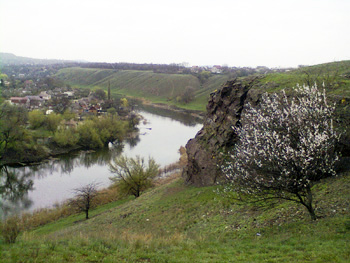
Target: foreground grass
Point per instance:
(178, 223)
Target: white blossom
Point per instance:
(285, 145)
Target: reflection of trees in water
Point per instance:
(15, 182)
(66, 163)
(14, 187)
(101, 157)
(42, 170)
(133, 141)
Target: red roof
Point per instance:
(19, 99)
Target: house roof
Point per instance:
(19, 98)
(34, 98)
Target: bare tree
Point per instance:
(285, 146)
(84, 196)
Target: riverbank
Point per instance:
(193, 113)
(94, 132)
(104, 199)
(52, 151)
(54, 179)
(198, 114)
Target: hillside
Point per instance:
(11, 59)
(156, 87)
(335, 76)
(165, 88)
(178, 223)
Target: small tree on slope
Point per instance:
(84, 198)
(285, 146)
(133, 175)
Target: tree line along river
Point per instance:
(161, 134)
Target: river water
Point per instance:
(52, 182)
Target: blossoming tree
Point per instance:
(285, 146)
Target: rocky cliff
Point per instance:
(224, 110)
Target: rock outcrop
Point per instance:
(206, 152)
(224, 110)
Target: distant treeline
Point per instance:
(157, 68)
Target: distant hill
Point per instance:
(160, 84)
(165, 88)
(11, 59)
(156, 87)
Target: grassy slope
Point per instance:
(330, 72)
(156, 87)
(178, 223)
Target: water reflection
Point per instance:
(14, 188)
(182, 117)
(133, 141)
(101, 157)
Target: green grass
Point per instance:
(76, 218)
(335, 73)
(179, 223)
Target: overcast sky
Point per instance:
(274, 33)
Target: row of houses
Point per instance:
(80, 107)
(216, 69)
(31, 102)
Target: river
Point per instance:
(52, 182)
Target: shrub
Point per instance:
(133, 176)
(36, 119)
(89, 136)
(10, 229)
(66, 137)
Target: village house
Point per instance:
(93, 110)
(31, 102)
(44, 95)
(20, 101)
(35, 102)
(216, 69)
(69, 94)
(195, 69)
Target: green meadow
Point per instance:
(174, 222)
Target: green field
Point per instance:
(178, 223)
(155, 87)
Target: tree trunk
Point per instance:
(308, 203)
(86, 214)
